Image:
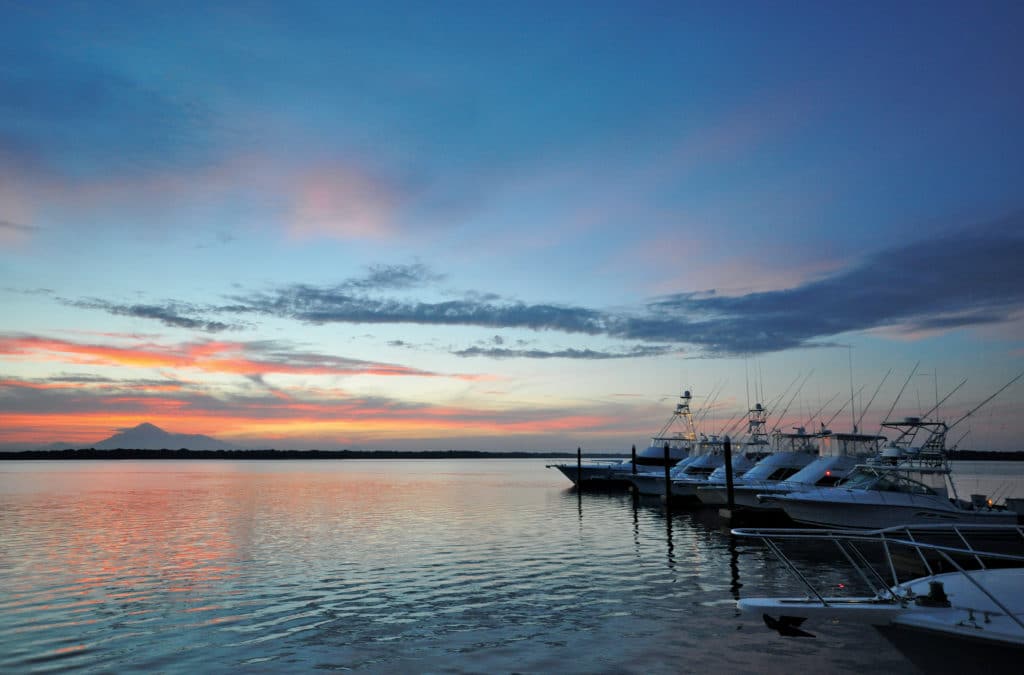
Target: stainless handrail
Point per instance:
(902, 535)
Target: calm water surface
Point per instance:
(385, 566)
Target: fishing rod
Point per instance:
(793, 398)
(865, 410)
(897, 400)
(1000, 492)
(955, 389)
(979, 406)
(711, 402)
(842, 408)
(728, 425)
(959, 440)
(738, 420)
(818, 411)
(778, 398)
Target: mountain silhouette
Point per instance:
(148, 436)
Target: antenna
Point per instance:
(760, 378)
(746, 374)
(853, 420)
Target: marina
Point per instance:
(573, 338)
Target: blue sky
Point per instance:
(502, 227)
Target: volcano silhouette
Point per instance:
(148, 436)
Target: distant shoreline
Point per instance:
(128, 453)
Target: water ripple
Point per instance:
(375, 566)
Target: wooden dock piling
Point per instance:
(730, 495)
(668, 478)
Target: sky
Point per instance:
(507, 226)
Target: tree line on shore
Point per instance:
(184, 453)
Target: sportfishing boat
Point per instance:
(937, 592)
(705, 458)
(840, 453)
(678, 435)
(755, 449)
(792, 453)
(906, 484)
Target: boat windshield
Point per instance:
(696, 471)
(888, 481)
(860, 479)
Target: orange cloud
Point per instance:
(100, 385)
(211, 357)
(82, 413)
(288, 422)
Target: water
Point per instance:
(382, 566)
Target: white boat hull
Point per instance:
(649, 484)
(876, 515)
(743, 495)
(971, 614)
(593, 473)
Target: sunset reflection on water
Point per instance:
(382, 566)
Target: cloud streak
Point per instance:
(9, 226)
(256, 418)
(968, 278)
(582, 354)
(173, 314)
(248, 359)
(972, 277)
(321, 305)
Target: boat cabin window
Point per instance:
(885, 481)
(782, 473)
(885, 484)
(904, 484)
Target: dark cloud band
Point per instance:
(968, 278)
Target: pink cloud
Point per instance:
(344, 203)
(231, 358)
(341, 200)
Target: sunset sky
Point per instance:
(505, 226)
